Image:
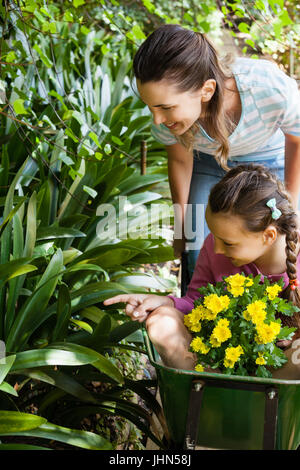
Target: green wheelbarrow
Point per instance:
(227, 412)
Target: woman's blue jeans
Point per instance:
(206, 173)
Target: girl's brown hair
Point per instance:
(187, 59)
(245, 191)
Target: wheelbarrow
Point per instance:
(219, 411)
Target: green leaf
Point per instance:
(83, 439)
(286, 333)
(43, 57)
(63, 313)
(27, 319)
(5, 366)
(244, 27)
(30, 226)
(124, 330)
(62, 381)
(7, 388)
(137, 32)
(99, 361)
(90, 191)
(21, 447)
(83, 325)
(54, 232)
(12, 422)
(18, 106)
(15, 268)
(78, 3)
(45, 357)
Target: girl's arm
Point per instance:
(180, 168)
(292, 165)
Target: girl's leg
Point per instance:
(170, 337)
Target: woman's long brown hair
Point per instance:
(187, 59)
(244, 191)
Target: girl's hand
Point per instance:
(138, 306)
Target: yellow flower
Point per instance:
(273, 291)
(249, 282)
(214, 342)
(256, 312)
(259, 316)
(229, 363)
(232, 355)
(215, 303)
(221, 332)
(267, 333)
(236, 291)
(236, 284)
(198, 313)
(260, 360)
(192, 320)
(210, 315)
(199, 368)
(187, 321)
(235, 280)
(247, 315)
(198, 346)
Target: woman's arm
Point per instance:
(292, 166)
(180, 168)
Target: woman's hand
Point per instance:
(138, 306)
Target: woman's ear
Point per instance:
(208, 90)
(270, 235)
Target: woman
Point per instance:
(213, 115)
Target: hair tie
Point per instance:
(276, 213)
(294, 283)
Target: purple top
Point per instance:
(211, 267)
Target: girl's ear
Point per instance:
(208, 90)
(270, 235)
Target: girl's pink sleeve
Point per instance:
(201, 277)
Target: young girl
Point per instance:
(212, 114)
(247, 235)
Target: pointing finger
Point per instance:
(117, 299)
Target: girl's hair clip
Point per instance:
(294, 283)
(276, 213)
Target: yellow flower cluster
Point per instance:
(273, 291)
(256, 312)
(236, 284)
(197, 345)
(232, 355)
(267, 333)
(199, 368)
(220, 333)
(216, 303)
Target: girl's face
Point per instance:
(233, 240)
(176, 110)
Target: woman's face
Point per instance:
(178, 111)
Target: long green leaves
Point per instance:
(22, 424)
